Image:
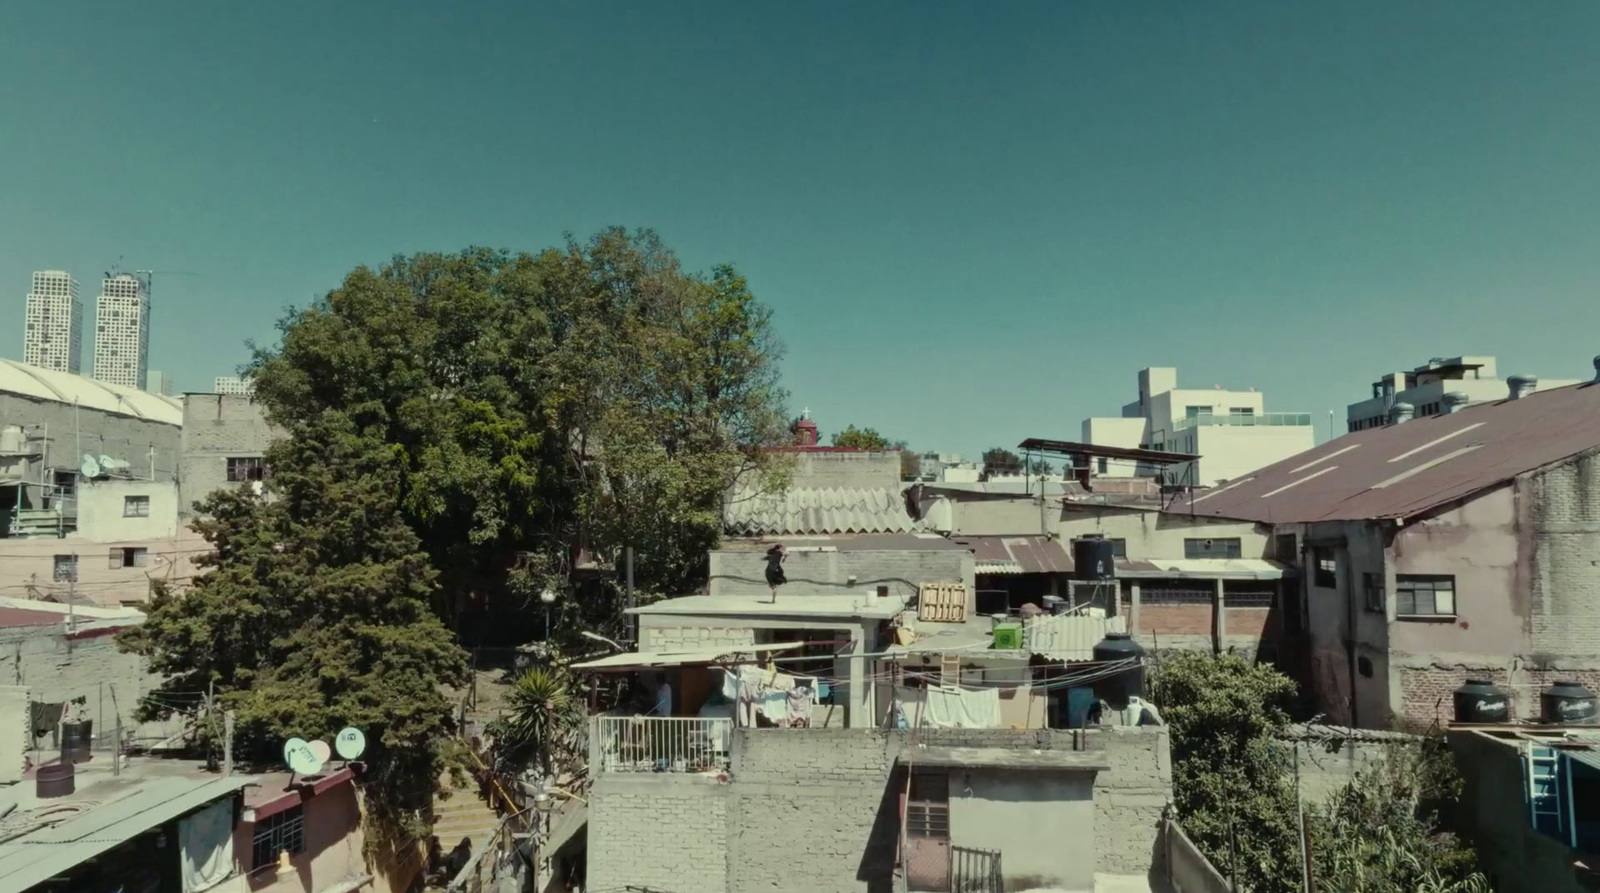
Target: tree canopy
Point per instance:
(1000, 461)
(860, 439)
(462, 432)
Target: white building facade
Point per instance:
(1473, 378)
(1230, 431)
(122, 332)
(53, 336)
(235, 385)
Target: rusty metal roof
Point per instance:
(1017, 554)
(1406, 469)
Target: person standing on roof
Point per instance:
(775, 577)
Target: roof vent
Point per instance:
(1401, 412)
(1597, 368)
(1453, 401)
(1522, 385)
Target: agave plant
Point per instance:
(542, 723)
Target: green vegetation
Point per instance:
(1233, 785)
(860, 439)
(461, 430)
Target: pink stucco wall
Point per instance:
(332, 851)
(1477, 542)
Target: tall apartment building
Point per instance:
(1473, 379)
(53, 335)
(1230, 431)
(122, 332)
(158, 382)
(236, 385)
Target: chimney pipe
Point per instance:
(1454, 401)
(1521, 385)
(1401, 412)
(1597, 369)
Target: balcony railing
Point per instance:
(1259, 420)
(662, 743)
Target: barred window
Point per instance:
(284, 831)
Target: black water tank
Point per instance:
(1117, 687)
(76, 739)
(55, 780)
(1092, 559)
(1567, 702)
(1480, 702)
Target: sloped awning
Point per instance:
(645, 660)
(1017, 554)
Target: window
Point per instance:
(1241, 410)
(1119, 548)
(129, 556)
(928, 806)
(66, 483)
(66, 569)
(135, 506)
(278, 833)
(1325, 575)
(1103, 463)
(1283, 546)
(1424, 595)
(1212, 548)
(1194, 412)
(246, 468)
(1372, 587)
(1364, 666)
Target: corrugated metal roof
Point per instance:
(807, 510)
(64, 387)
(53, 851)
(634, 660)
(1017, 554)
(1402, 470)
(1068, 637)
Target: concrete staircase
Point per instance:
(464, 815)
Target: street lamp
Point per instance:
(548, 596)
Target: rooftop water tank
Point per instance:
(1093, 559)
(1568, 703)
(1478, 702)
(1127, 680)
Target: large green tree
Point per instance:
(314, 613)
(543, 406)
(860, 439)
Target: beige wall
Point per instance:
(101, 504)
(1035, 820)
(1229, 453)
(1159, 534)
(27, 566)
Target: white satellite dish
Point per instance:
(351, 743)
(90, 467)
(322, 750)
(301, 758)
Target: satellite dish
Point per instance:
(301, 758)
(90, 467)
(351, 743)
(322, 750)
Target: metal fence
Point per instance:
(975, 871)
(662, 743)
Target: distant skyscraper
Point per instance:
(158, 382)
(233, 384)
(53, 336)
(122, 332)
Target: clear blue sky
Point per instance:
(974, 221)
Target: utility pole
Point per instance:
(627, 553)
(1305, 838)
(227, 743)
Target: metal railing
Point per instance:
(1257, 420)
(975, 871)
(662, 743)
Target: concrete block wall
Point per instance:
(1494, 815)
(216, 427)
(861, 470)
(74, 430)
(690, 638)
(27, 566)
(743, 572)
(815, 810)
(57, 667)
(1566, 582)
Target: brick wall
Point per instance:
(1177, 620)
(818, 810)
(1425, 691)
(215, 427)
(1566, 581)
